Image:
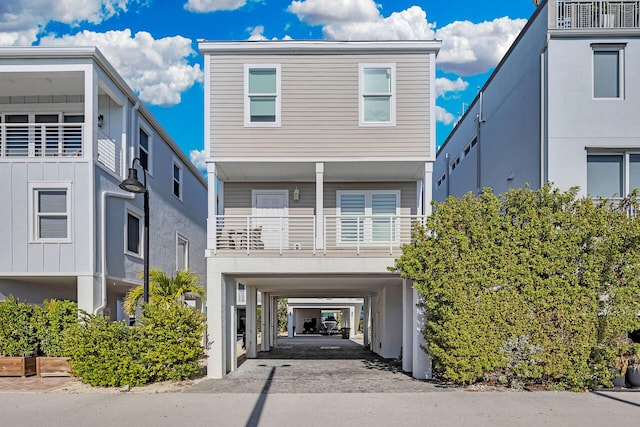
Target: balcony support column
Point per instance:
(427, 192)
(320, 206)
(421, 361)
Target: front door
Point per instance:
(270, 210)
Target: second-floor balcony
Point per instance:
(580, 14)
(346, 235)
(41, 139)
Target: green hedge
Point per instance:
(52, 319)
(166, 345)
(17, 328)
(528, 287)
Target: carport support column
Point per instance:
(407, 326)
(264, 324)
(217, 326)
(231, 337)
(367, 319)
(251, 332)
(320, 206)
(274, 321)
(290, 321)
(421, 361)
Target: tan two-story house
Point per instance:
(319, 157)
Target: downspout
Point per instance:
(103, 242)
(479, 122)
(543, 114)
(133, 133)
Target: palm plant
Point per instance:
(164, 289)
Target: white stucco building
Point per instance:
(561, 107)
(70, 128)
(322, 155)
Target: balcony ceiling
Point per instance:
(320, 286)
(44, 83)
(361, 171)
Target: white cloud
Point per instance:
(444, 86)
(469, 48)
(199, 159)
(204, 6)
(318, 12)
(21, 21)
(157, 69)
(443, 116)
(257, 33)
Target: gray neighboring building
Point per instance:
(562, 107)
(322, 155)
(69, 130)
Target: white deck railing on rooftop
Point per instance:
(597, 14)
(298, 235)
(41, 140)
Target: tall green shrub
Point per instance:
(106, 353)
(530, 286)
(53, 318)
(17, 328)
(173, 343)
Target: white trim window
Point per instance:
(144, 148)
(51, 207)
(374, 215)
(177, 179)
(262, 100)
(182, 253)
(377, 94)
(608, 71)
(612, 174)
(133, 229)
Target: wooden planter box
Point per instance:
(17, 366)
(53, 366)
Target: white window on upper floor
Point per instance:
(177, 179)
(144, 149)
(51, 208)
(612, 174)
(377, 95)
(133, 232)
(367, 217)
(262, 100)
(182, 253)
(608, 71)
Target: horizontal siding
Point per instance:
(237, 196)
(320, 108)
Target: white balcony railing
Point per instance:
(597, 14)
(41, 140)
(298, 235)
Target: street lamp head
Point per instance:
(132, 184)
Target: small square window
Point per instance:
(262, 95)
(134, 233)
(177, 180)
(608, 74)
(51, 214)
(143, 149)
(377, 94)
(182, 253)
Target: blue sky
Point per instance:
(153, 43)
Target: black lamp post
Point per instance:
(133, 185)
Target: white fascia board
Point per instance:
(317, 46)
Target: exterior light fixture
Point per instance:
(296, 194)
(100, 120)
(133, 185)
